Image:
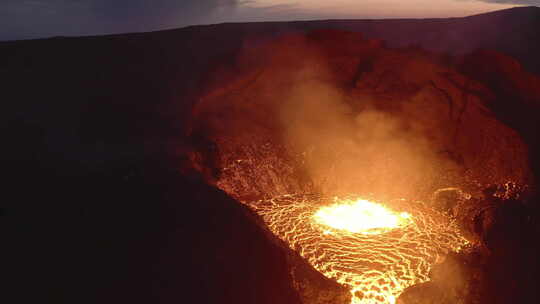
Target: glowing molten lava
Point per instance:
(373, 251)
(361, 216)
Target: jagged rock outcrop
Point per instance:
(500, 226)
(516, 94)
(504, 75)
(314, 289)
(311, 286)
(457, 280)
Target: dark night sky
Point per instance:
(23, 19)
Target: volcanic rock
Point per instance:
(308, 109)
(167, 239)
(425, 293)
(500, 226)
(486, 219)
(448, 200)
(458, 279)
(516, 94)
(312, 288)
(503, 74)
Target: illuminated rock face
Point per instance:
(437, 128)
(376, 267)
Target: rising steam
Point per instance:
(355, 147)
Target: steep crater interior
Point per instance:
(306, 121)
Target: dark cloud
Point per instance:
(20, 19)
(520, 2)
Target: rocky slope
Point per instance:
(330, 111)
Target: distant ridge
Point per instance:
(517, 9)
(514, 31)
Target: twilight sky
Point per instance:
(23, 19)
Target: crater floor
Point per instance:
(376, 267)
